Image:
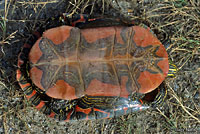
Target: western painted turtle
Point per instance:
(100, 72)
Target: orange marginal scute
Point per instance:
(52, 114)
(40, 105)
(31, 95)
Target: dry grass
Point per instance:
(180, 19)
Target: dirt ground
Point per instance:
(179, 19)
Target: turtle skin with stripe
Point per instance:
(99, 68)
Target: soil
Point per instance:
(178, 21)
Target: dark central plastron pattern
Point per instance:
(107, 60)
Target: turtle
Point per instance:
(97, 71)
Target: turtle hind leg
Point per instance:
(156, 97)
(161, 96)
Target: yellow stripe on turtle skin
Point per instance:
(45, 109)
(161, 96)
(36, 100)
(69, 107)
(172, 70)
(28, 90)
(27, 70)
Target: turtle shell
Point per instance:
(68, 62)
